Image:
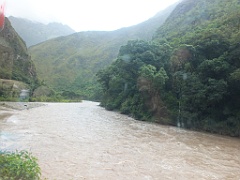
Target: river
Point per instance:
(84, 141)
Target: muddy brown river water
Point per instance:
(83, 141)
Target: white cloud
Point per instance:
(87, 14)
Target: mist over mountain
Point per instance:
(71, 62)
(35, 32)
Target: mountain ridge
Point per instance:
(35, 32)
(72, 61)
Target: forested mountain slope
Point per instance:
(188, 75)
(15, 62)
(70, 63)
(34, 32)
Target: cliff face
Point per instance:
(17, 70)
(15, 62)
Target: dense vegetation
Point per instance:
(188, 75)
(18, 165)
(135, 78)
(69, 64)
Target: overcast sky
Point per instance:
(83, 15)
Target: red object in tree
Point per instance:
(2, 17)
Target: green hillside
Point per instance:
(188, 75)
(34, 32)
(70, 63)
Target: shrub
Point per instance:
(18, 166)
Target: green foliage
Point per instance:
(19, 165)
(48, 95)
(191, 67)
(156, 79)
(203, 72)
(133, 78)
(70, 63)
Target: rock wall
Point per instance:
(15, 62)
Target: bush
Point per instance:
(18, 166)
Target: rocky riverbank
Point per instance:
(8, 108)
(19, 105)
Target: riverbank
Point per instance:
(7, 108)
(20, 105)
(4, 113)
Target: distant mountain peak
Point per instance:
(35, 32)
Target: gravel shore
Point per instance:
(7, 108)
(20, 105)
